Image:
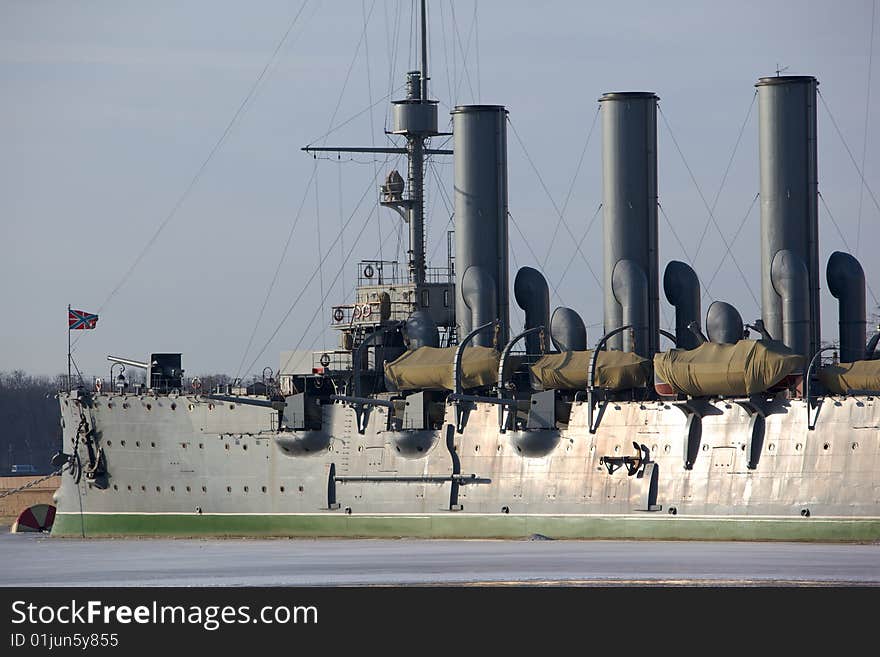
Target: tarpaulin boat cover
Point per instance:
(430, 368)
(745, 368)
(845, 377)
(615, 370)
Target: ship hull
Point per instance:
(191, 467)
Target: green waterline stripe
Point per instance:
(453, 525)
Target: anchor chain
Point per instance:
(32, 483)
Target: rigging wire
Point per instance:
(477, 47)
(195, 179)
(354, 116)
(583, 237)
(709, 209)
(453, 98)
(412, 29)
(535, 256)
(445, 52)
(392, 45)
(849, 152)
(742, 223)
(348, 72)
(571, 187)
(318, 230)
(518, 312)
(726, 171)
(315, 273)
(843, 239)
(443, 197)
(867, 108)
(277, 270)
(372, 130)
(464, 54)
(555, 207)
(324, 296)
(675, 234)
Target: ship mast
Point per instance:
(415, 119)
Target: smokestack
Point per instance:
(480, 164)
(846, 281)
(789, 215)
(533, 296)
(682, 288)
(629, 168)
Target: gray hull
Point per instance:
(191, 466)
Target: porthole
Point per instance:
(109, 443)
(300, 489)
(705, 448)
(125, 405)
(137, 443)
(666, 449)
(128, 487)
(172, 489)
(229, 489)
(122, 443)
(188, 489)
(152, 444)
(201, 445)
(798, 447)
(149, 407)
(204, 489)
(173, 406)
(246, 489)
(158, 489)
(226, 445)
(244, 447)
(854, 446)
(143, 489)
(191, 407)
(115, 487)
(771, 447)
(826, 446)
(262, 489)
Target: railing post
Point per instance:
(591, 376)
(502, 409)
(811, 425)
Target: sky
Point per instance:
(150, 163)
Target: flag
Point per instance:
(80, 319)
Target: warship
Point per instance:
(432, 419)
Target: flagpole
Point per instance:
(68, 348)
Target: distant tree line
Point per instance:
(30, 420)
(30, 417)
